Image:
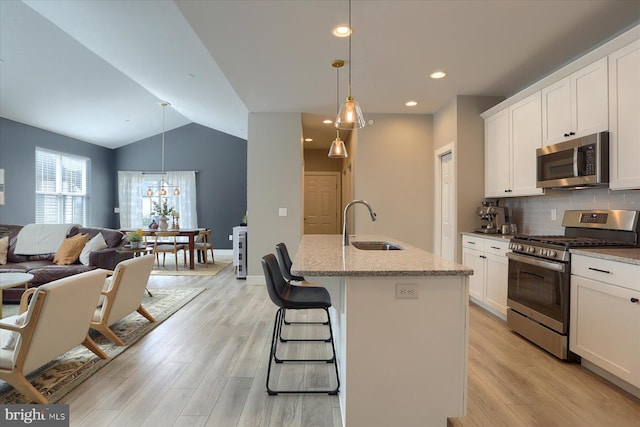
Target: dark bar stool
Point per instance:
(285, 263)
(290, 297)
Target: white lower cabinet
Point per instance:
(605, 315)
(488, 284)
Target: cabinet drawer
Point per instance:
(473, 242)
(496, 247)
(603, 270)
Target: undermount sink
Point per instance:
(377, 246)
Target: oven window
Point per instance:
(543, 290)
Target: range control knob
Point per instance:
(543, 252)
(531, 250)
(552, 254)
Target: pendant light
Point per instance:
(350, 115)
(338, 150)
(163, 184)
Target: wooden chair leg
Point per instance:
(91, 345)
(143, 311)
(108, 333)
(26, 388)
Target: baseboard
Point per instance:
(629, 388)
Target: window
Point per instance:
(136, 208)
(61, 188)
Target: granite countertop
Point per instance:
(625, 255)
(498, 237)
(324, 255)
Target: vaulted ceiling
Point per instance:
(95, 70)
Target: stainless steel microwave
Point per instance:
(580, 162)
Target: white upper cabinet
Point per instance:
(624, 117)
(525, 129)
(511, 139)
(576, 105)
(497, 154)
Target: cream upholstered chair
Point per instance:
(56, 319)
(167, 242)
(203, 244)
(122, 294)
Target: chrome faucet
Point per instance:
(345, 228)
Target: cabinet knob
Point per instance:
(634, 299)
(571, 133)
(566, 134)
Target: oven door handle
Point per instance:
(551, 265)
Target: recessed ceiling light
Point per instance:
(327, 121)
(308, 139)
(411, 103)
(438, 74)
(341, 31)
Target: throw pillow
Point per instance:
(94, 244)
(13, 336)
(70, 249)
(4, 248)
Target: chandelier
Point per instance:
(162, 187)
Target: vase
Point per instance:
(163, 224)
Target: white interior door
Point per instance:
(321, 203)
(447, 193)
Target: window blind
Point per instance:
(61, 188)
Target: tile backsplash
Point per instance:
(533, 214)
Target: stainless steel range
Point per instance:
(540, 271)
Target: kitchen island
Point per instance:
(400, 320)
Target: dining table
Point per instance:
(191, 233)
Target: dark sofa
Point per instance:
(45, 271)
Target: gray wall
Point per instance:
(275, 172)
(221, 181)
(394, 173)
(220, 159)
(17, 157)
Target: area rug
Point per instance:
(62, 375)
(210, 269)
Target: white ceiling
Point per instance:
(95, 70)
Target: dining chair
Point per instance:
(167, 242)
(203, 244)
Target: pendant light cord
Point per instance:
(350, 35)
(164, 106)
(338, 96)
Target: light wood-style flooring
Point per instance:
(206, 366)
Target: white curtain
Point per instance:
(185, 203)
(129, 195)
(135, 205)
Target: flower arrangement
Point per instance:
(162, 208)
(135, 236)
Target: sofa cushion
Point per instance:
(95, 244)
(49, 273)
(113, 238)
(4, 248)
(70, 249)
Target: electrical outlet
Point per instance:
(230, 236)
(553, 215)
(407, 291)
